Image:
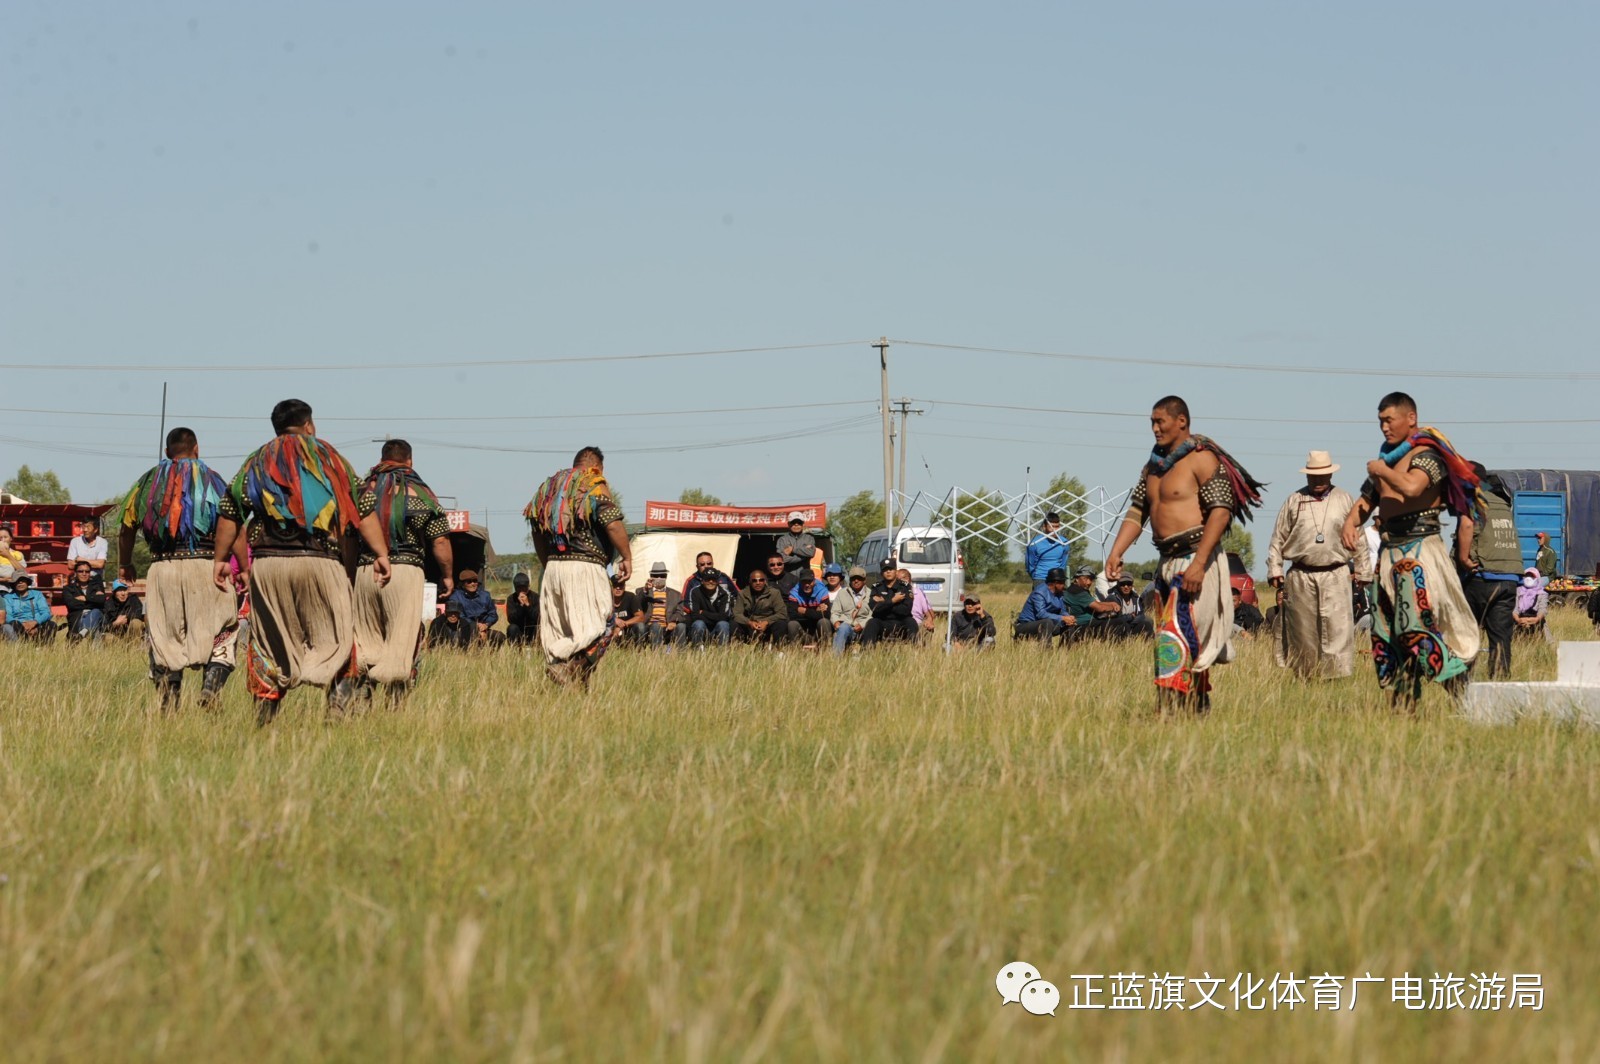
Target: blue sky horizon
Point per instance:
(1209, 201)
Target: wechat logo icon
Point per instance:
(1019, 982)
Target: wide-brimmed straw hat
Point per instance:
(1319, 464)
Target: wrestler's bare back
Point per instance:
(1174, 499)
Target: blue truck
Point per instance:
(1566, 504)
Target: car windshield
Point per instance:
(925, 552)
(1236, 566)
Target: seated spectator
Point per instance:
(833, 579)
(971, 626)
(780, 578)
(809, 605)
(1126, 597)
(1044, 615)
(709, 612)
(449, 630)
(921, 611)
(124, 613)
(1095, 619)
(795, 548)
(89, 546)
(761, 614)
(1246, 618)
(85, 600)
(662, 608)
(11, 560)
(890, 602)
(1533, 602)
(27, 614)
(522, 612)
(625, 607)
(702, 562)
(478, 611)
(851, 610)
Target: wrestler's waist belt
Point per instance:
(1301, 567)
(1181, 545)
(1408, 528)
(179, 554)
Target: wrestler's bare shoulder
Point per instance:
(1183, 480)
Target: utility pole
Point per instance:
(905, 408)
(161, 443)
(888, 443)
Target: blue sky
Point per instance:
(1356, 186)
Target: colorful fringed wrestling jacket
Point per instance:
(175, 506)
(296, 495)
(407, 509)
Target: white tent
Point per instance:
(677, 550)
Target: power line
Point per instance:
(1265, 420)
(1247, 367)
(387, 367)
(390, 418)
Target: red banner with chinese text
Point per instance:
(732, 518)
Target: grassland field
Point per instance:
(735, 855)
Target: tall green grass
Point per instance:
(736, 855)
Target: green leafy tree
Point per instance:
(853, 521)
(43, 488)
(698, 497)
(1074, 513)
(1236, 539)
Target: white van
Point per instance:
(928, 554)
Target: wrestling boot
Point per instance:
(211, 687)
(266, 710)
(169, 685)
(341, 696)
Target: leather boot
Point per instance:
(211, 687)
(341, 696)
(266, 709)
(169, 685)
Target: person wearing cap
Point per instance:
(850, 610)
(1045, 615)
(85, 600)
(832, 579)
(1545, 560)
(124, 613)
(891, 601)
(709, 610)
(1316, 615)
(796, 547)
(662, 607)
(761, 614)
(810, 607)
(1126, 597)
(971, 625)
(625, 607)
(448, 629)
(702, 562)
(414, 526)
(1093, 618)
(26, 612)
(190, 622)
(522, 611)
(478, 610)
(1047, 551)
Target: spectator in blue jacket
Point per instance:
(27, 614)
(809, 605)
(478, 610)
(1045, 614)
(1047, 551)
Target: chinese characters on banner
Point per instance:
(732, 518)
(459, 519)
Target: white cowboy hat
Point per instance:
(1319, 463)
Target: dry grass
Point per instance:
(734, 855)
